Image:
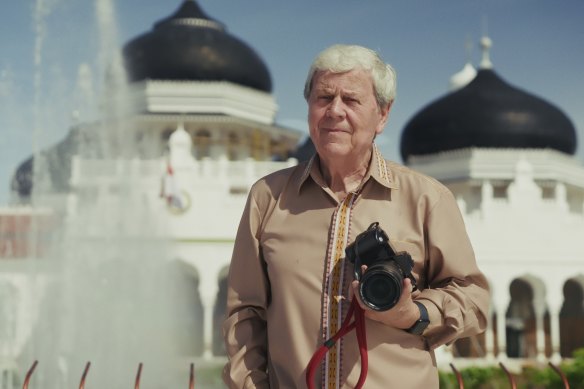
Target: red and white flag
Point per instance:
(169, 189)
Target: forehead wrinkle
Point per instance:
(350, 85)
(327, 88)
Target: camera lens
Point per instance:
(381, 286)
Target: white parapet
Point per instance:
(198, 97)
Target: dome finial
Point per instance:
(486, 44)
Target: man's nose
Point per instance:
(336, 108)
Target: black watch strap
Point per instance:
(420, 324)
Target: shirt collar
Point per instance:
(378, 170)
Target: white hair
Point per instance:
(344, 58)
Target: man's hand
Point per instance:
(403, 315)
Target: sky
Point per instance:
(538, 46)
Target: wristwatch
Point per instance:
(421, 324)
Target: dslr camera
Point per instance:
(380, 286)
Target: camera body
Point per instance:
(380, 286)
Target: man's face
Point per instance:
(343, 115)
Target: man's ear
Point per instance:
(384, 111)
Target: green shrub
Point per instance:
(531, 377)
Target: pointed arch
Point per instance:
(572, 317)
(188, 309)
(233, 146)
(202, 144)
(526, 316)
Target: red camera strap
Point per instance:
(359, 325)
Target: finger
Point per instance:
(406, 290)
(353, 289)
(407, 285)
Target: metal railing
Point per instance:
(457, 373)
(510, 376)
(86, 371)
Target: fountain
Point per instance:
(105, 290)
(122, 277)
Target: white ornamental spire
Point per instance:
(486, 44)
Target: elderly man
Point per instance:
(290, 284)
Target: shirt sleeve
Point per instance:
(244, 328)
(457, 292)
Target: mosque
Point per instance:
(204, 119)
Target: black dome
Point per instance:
(55, 166)
(189, 45)
(22, 179)
(488, 113)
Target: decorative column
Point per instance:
(502, 330)
(217, 147)
(250, 171)
(461, 204)
(555, 334)
(555, 299)
(208, 289)
(489, 336)
(539, 309)
(501, 300)
(486, 198)
(561, 197)
(222, 168)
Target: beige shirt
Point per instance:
(285, 279)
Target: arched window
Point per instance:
(520, 321)
(233, 147)
(527, 316)
(572, 317)
(187, 310)
(259, 145)
(471, 347)
(475, 346)
(202, 144)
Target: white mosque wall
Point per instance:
(524, 215)
(212, 193)
(499, 164)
